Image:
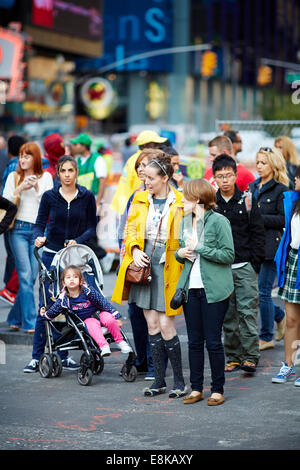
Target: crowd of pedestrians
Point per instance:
(235, 229)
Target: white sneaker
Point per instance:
(106, 262)
(125, 348)
(105, 351)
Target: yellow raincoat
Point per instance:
(136, 237)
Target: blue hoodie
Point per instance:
(282, 252)
(66, 221)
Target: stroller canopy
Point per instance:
(84, 258)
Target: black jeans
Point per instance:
(204, 323)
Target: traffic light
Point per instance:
(209, 63)
(264, 76)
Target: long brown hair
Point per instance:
(31, 148)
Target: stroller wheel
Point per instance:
(57, 365)
(129, 375)
(84, 378)
(98, 364)
(85, 371)
(46, 366)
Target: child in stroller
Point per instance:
(85, 301)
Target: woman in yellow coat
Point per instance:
(158, 210)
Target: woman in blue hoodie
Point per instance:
(288, 272)
(68, 211)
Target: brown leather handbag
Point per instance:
(141, 275)
(138, 275)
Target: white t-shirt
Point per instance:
(295, 232)
(29, 198)
(195, 274)
(99, 166)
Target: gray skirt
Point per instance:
(151, 296)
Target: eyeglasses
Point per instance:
(222, 177)
(266, 149)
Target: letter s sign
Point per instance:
(152, 16)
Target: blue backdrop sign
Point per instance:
(131, 28)
(7, 3)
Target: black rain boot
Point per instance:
(174, 353)
(157, 349)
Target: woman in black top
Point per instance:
(268, 189)
(68, 211)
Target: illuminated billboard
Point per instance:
(11, 65)
(70, 17)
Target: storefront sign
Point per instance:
(98, 97)
(11, 65)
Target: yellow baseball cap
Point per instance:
(145, 137)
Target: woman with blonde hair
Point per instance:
(290, 154)
(269, 191)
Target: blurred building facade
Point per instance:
(84, 64)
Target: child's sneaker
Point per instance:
(125, 348)
(286, 373)
(105, 351)
(297, 382)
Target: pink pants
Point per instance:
(108, 320)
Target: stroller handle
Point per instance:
(36, 254)
(39, 259)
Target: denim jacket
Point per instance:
(281, 256)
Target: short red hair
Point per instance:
(31, 148)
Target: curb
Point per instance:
(14, 337)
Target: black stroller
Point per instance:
(71, 333)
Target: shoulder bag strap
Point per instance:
(160, 222)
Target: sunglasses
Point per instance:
(266, 149)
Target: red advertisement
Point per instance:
(42, 13)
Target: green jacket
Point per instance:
(216, 250)
(86, 173)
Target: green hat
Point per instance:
(82, 139)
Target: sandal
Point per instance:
(232, 366)
(248, 366)
(152, 392)
(178, 393)
(14, 327)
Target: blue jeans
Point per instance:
(204, 323)
(22, 245)
(268, 311)
(39, 338)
